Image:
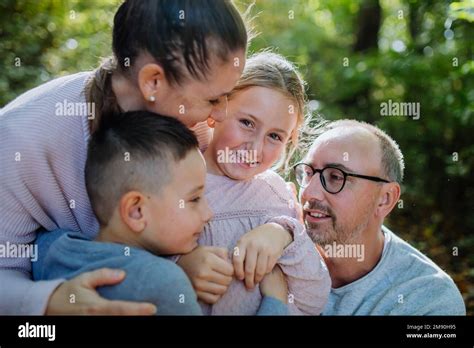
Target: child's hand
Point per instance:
(209, 270)
(274, 284)
(258, 251)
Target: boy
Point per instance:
(145, 178)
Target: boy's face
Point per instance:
(178, 214)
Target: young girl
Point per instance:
(265, 112)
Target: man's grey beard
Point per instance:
(338, 234)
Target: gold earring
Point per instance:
(210, 122)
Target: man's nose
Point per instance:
(315, 190)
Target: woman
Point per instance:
(179, 58)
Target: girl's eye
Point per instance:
(275, 136)
(214, 101)
(246, 123)
(196, 200)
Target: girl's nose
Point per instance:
(256, 147)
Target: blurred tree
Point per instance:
(368, 26)
(40, 40)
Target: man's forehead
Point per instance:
(345, 144)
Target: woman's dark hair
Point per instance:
(181, 35)
(178, 31)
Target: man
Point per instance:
(350, 181)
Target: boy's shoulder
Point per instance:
(73, 251)
(148, 277)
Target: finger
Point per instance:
(222, 266)
(271, 263)
(277, 270)
(207, 298)
(218, 278)
(261, 268)
(238, 262)
(221, 252)
(106, 307)
(212, 288)
(100, 277)
(250, 264)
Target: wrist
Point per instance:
(286, 234)
(288, 238)
(50, 304)
(46, 304)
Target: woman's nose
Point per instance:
(219, 111)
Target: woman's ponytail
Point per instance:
(99, 92)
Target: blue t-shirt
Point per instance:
(404, 282)
(149, 278)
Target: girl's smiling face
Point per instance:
(252, 138)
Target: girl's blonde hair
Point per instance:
(272, 70)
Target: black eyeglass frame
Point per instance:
(345, 174)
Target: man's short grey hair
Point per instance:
(392, 160)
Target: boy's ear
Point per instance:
(131, 211)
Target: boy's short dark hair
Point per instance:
(133, 151)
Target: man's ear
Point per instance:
(132, 212)
(151, 78)
(389, 196)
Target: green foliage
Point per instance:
(41, 40)
(431, 65)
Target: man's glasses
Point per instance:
(333, 179)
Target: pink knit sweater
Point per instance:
(42, 159)
(240, 206)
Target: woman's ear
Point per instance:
(150, 79)
(132, 212)
(389, 196)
